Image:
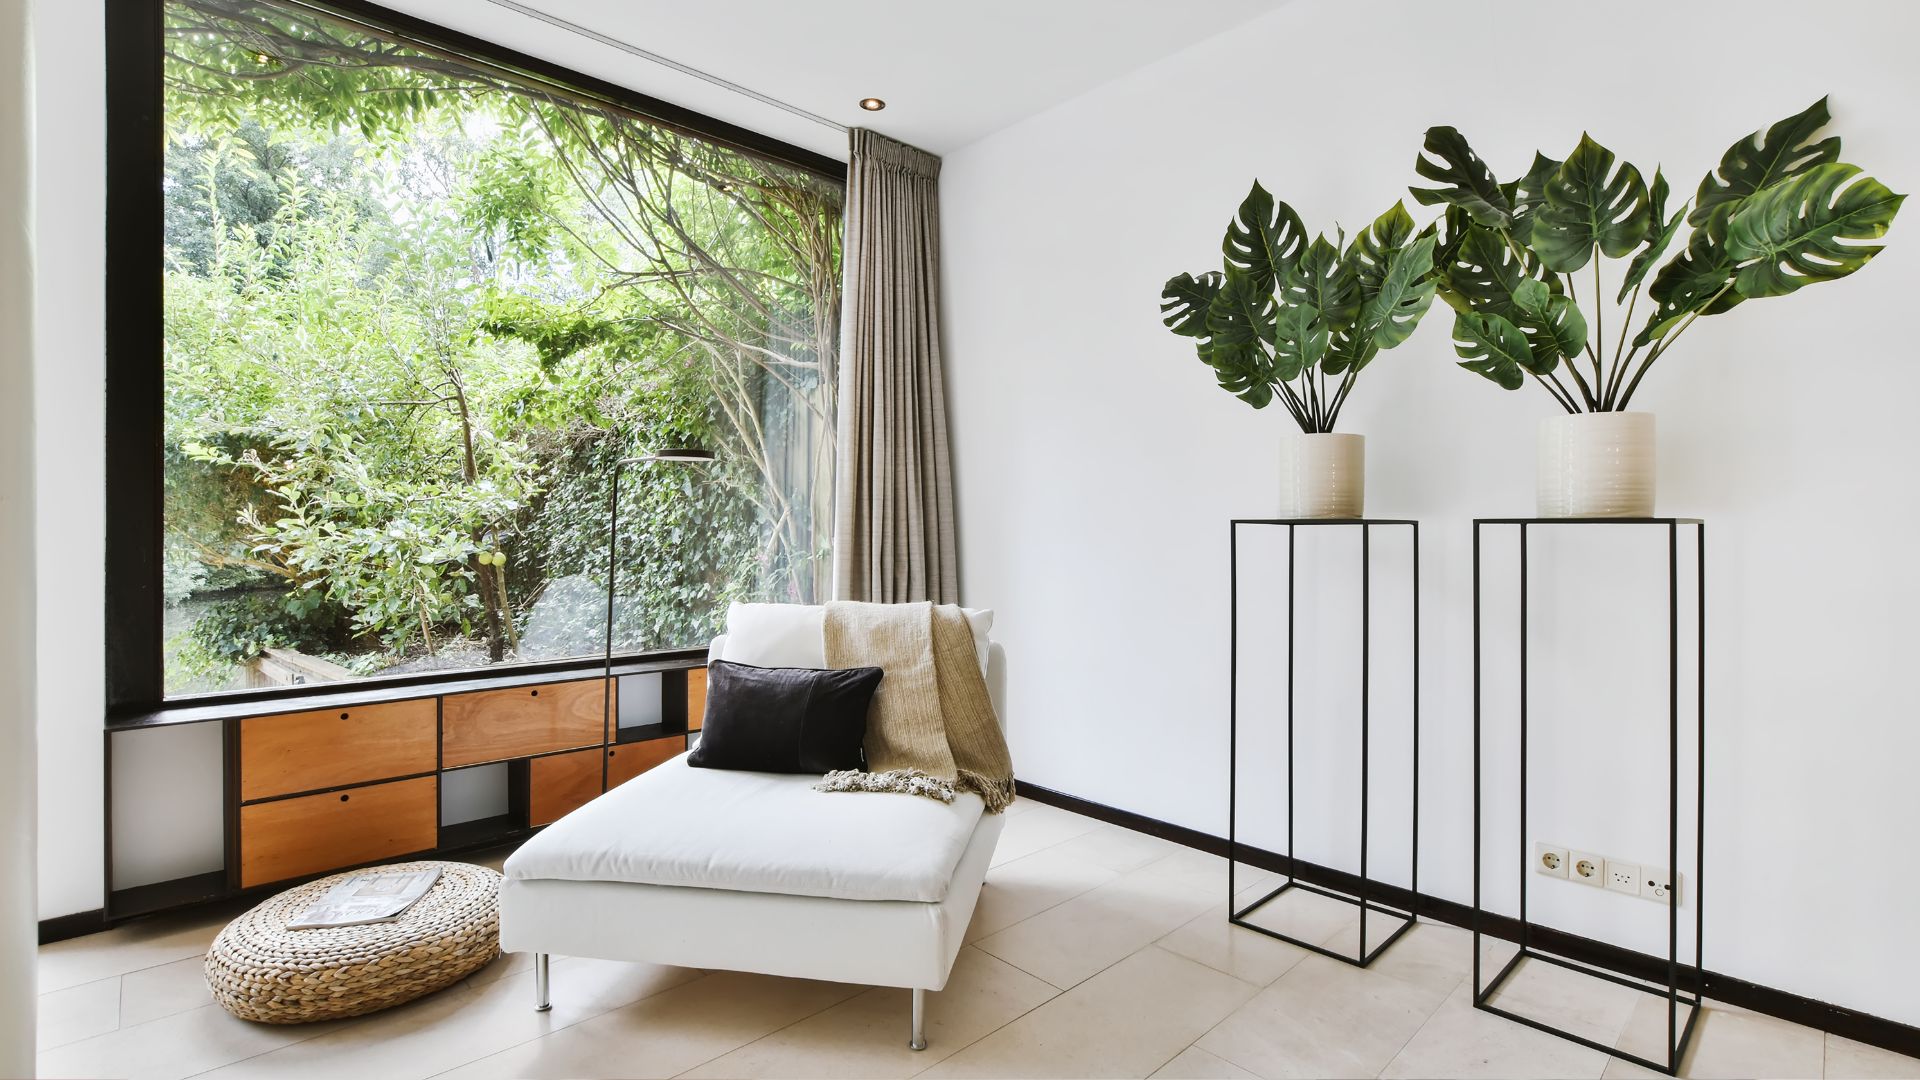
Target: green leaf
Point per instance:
(1246, 373)
(1590, 202)
(1491, 346)
(1324, 281)
(1405, 292)
(1697, 279)
(1659, 235)
(1552, 325)
(1467, 182)
(1765, 158)
(1264, 239)
(1528, 194)
(1242, 313)
(1352, 348)
(1368, 253)
(1241, 321)
(1483, 273)
(1809, 228)
(1300, 341)
(1184, 302)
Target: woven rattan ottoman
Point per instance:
(260, 970)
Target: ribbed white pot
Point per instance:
(1323, 476)
(1596, 465)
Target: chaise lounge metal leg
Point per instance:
(919, 1040)
(541, 1002)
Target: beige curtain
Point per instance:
(893, 508)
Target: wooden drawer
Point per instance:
(493, 725)
(628, 760)
(290, 838)
(696, 698)
(325, 748)
(561, 782)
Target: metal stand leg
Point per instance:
(541, 1002)
(919, 1039)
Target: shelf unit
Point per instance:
(1362, 898)
(1679, 1032)
(353, 776)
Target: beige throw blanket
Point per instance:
(931, 730)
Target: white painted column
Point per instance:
(18, 904)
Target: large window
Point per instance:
(418, 304)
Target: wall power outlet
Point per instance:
(1587, 868)
(1550, 859)
(1658, 884)
(1623, 877)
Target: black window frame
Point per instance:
(136, 377)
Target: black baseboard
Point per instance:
(78, 924)
(1848, 1023)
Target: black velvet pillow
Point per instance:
(785, 720)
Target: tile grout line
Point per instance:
(575, 1023)
(778, 1030)
(1395, 1056)
(1012, 1021)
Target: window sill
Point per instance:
(240, 704)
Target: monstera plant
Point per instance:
(1298, 320)
(1779, 213)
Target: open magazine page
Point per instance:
(367, 898)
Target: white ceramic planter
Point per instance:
(1323, 476)
(1596, 465)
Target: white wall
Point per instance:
(1097, 463)
(17, 233)
(70, 411)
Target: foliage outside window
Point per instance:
(416, 309)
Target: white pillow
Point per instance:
(794, 635)
(776, 635)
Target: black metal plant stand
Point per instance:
(1678, 1033)
(1361, 896)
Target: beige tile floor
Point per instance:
(1095, 952)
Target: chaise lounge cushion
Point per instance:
(756, 832)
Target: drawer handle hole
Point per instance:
(343, 716)
(536, 693)
(343, 798)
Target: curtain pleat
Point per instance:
(893, 506)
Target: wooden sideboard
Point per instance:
(312, 790)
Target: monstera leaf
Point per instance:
(1765, 158)
(1551, 323)
(1392, 268)
(1482, 274)
(1184, 302)
(1321, 279)
(1264, 239)
(1591, 202)
(1368, 253)
(1528, 194)
(1491, 346)
(1466, 181)
(1300, 341)
(1659, 235)
(1241, 315)
(1692, 280)
(1808, 228)
(1241, 320)
(1404, 294)
(1351, 348)
(1247, 374)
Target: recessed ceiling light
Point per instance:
(872, 104)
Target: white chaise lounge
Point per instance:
(755, 872)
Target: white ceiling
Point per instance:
(950, 72)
